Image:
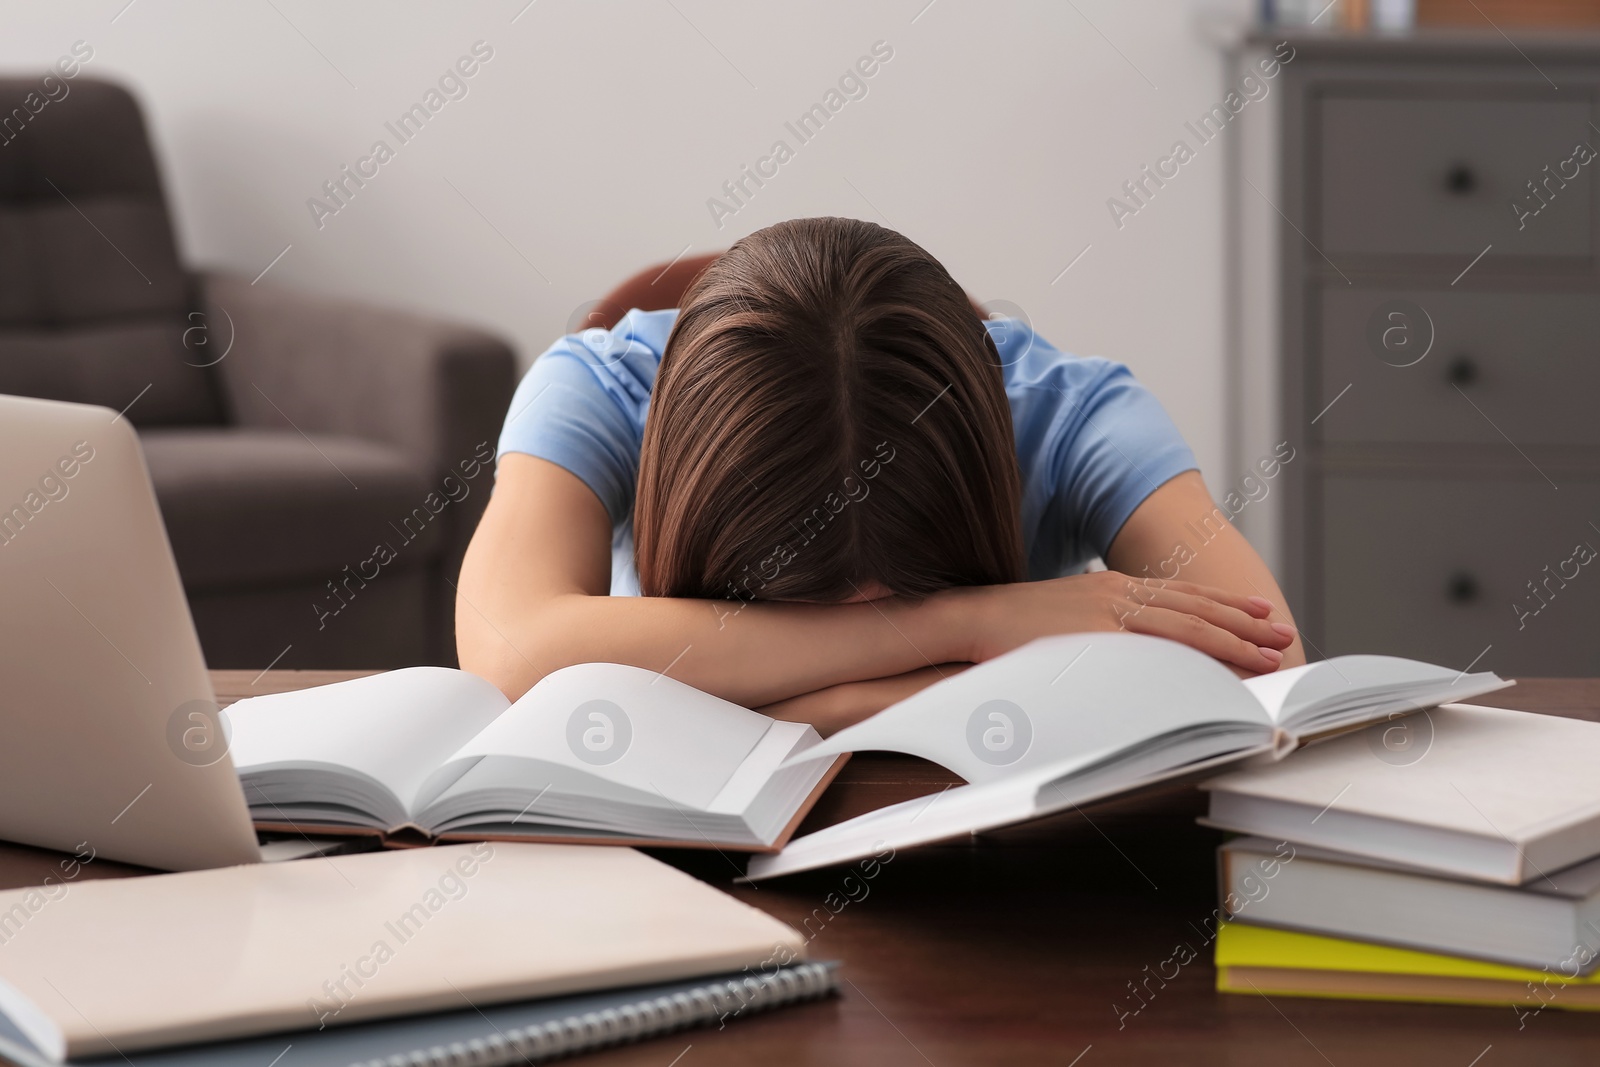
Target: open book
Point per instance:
(1069, 719)
(597, 753)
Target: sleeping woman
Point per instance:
(824, 482)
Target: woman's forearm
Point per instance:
(752, 654)
(1155, 542)
(533, 599)
(838, 706)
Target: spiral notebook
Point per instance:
(530, 1032)
(150, 965)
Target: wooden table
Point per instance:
(1016, 948)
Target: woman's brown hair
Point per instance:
(829, 412)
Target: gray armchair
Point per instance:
(320, 463)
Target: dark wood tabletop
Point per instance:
(1020, 947)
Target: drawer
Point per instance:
(1438, 569)
(1529, 361)
(1414, 176)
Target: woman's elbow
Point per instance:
(498, 653)
(501, 667)
(516, 654)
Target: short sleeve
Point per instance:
(582, 405)
(1092, 444)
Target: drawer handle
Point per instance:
(1460, 180)
(1461, 371)
(1462, 588)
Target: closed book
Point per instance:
(1478, 793)
(1267, 962)
(119, 966)
(1552, 921)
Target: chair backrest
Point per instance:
(655, 288)
(94, 303)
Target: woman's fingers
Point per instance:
(1255, 606)
(1199, 634)
(1233, 628)
(1257, 631)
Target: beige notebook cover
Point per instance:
(123, 964)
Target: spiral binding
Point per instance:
(631, 1022)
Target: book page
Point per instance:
(919, 821)
(1362, 688)
(393, 727)
(964, 809)
(1072, 698)
(626, 726)
(1272, 690)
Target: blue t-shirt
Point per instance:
(1092, 442)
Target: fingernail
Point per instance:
(1271, 655)
(1259, 602)
(1283, 628)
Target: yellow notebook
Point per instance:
(1256, 959)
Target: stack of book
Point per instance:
(1453, 856)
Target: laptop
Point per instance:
(110, 739)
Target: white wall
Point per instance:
(595, 135)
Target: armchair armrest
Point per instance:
(433, 389)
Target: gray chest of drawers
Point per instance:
(1440, 349)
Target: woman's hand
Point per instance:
(1231, 627)
(1228, 605)
(1228, 626)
